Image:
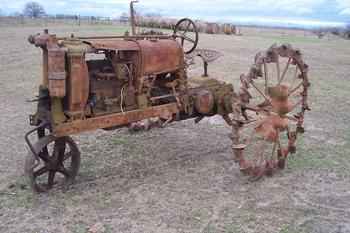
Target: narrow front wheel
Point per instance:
(58, 163)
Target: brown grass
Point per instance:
(182, 178)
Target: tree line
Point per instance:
(33, 9)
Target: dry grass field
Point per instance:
(182, 179)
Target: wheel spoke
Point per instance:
(51, 178)
(60, 147)
(188, 39)
(266, 77)
(44, 155)
(188, 27)
(291, 118)
(296, 88)
(60, 144)
(296, 72)
(260, 92)
(296, 104)
(67, 155)
(285, 71)
(41, 171)
(267, 148)
(278, 71)
(295, 76)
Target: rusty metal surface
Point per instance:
(109, 82)
(157, 55)
(204, 102)
(78, 84)
(125, 37)
(64, 150)
(114, 44)
(56, 72)
(160, 56)
(119, 119)
(39, 40)
(280, 111)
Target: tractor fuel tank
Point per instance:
(160, 56)
(155, 55)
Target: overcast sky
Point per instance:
(311, 12)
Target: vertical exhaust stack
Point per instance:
(132, 17)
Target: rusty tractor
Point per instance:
(108, 82)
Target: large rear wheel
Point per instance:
(269, 115)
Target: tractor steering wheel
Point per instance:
(186, 33)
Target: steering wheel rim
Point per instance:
(179, 34)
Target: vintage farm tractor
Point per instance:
(91, 83)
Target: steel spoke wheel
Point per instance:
(269, 115)
(186, 34)
(59, 161)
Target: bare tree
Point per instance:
(33, 10)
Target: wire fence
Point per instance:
(12, 21)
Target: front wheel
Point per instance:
(58, 162)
